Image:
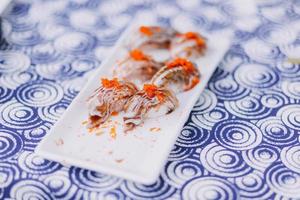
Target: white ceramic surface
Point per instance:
(140, 154)
(3, 4)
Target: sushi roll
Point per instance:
(178, 75)
(109, 98)
(137, 67)
(149, 37)
(150, 102)
(188, 45)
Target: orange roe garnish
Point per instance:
(152, 91)
(138, 55)
(182, 62)
(114, 113)
(114, 83)
(148, 31)
(195, 36)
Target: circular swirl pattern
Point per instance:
(5, 94)
(60, 184)
(237, 134)
(219, 74)
(261, 156)
(72, 87)
(108, 37)
(276, 133)
(262, 52)
(112, 195)
(29, 37)
(56, 71)
(158, 190)
(44, 53)
(93, 181)
(193, 136)
(11, 61)
(30, 189)
(10, 144)
(39, 93)
(206, 102)
(290, 116)
(22, 24)
(223, 162)
(84, 64)
(14, 80)
(177, 172)
(291, 89)
(20, 9)
(33, 164)
(252, 186)
(291, 53)
(287, 69)
(53, 112)
(180, 153)
(227, 89)
(277, 34)
(283, 181)
(256, 76)
(290, 157)
(16, 115)
(273, 99)
(75, 42)
(208, 120)
(51, 30)
(83, 19)
(249, 107)
(8, 173)
(208, 188)
(33, 136)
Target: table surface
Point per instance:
(242, 139)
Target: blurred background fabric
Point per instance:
(242, 139)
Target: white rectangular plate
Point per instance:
(140, 154)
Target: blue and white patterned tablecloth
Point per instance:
(242, 139)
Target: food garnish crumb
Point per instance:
(119, 160)
(155, 129)
(84, 122)
(59, 142)
(99, 133)
(113, 133)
